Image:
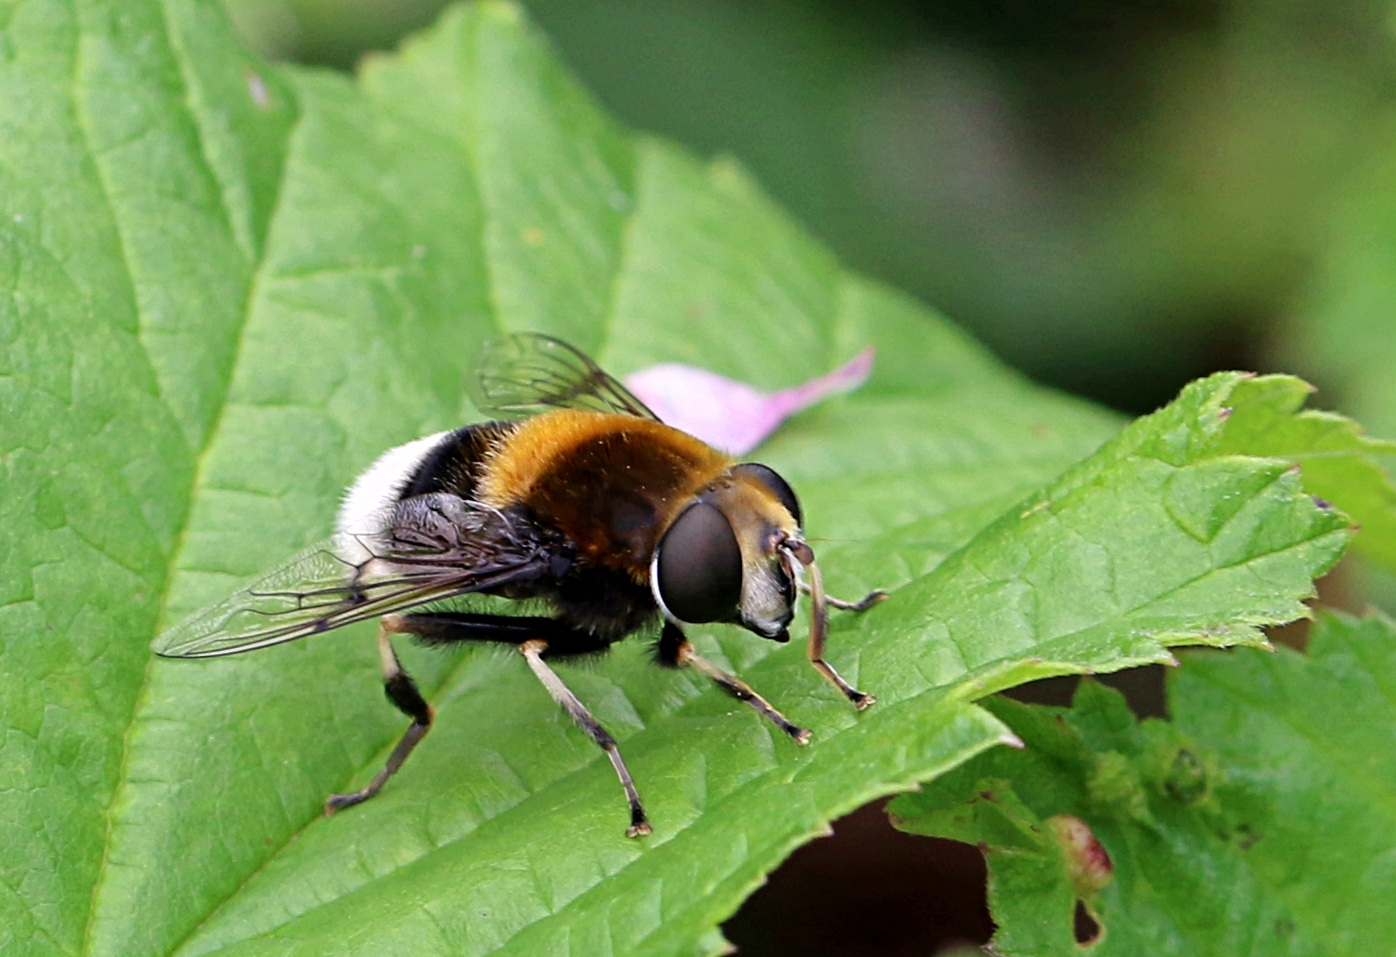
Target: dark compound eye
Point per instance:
(776, 485)
(699, 570)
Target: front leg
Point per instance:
(819, 631)
(676, 651)
(863, 604)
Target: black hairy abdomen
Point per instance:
(457, 463)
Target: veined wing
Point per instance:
(432, 547)
(528, 373)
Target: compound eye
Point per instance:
(698, 572)
(774, 484)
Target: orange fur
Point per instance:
(533, 451)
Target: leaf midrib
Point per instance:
(198, 478)
(83, 123)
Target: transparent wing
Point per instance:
(433, 547)
(528, 373)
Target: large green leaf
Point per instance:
(1260, 821)
(228, 286)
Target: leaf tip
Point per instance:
(1012, 740)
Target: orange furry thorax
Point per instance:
(612, 483)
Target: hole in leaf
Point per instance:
(1086, 928)
(867, 891)
(1142, 688)
(1187, 778)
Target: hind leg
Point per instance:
(533, 653)
(535, 638)
(402, 692)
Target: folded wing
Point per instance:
(431, 547)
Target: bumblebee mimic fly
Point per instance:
(579, 501)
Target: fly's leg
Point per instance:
(819, 631)
(532, 651)
(534, 636)
(676, 651)
(863, 604)
(402, 692)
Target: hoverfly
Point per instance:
(588, 505)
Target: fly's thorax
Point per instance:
(610, 483)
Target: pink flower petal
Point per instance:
(731, 415)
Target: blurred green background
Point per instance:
(1115, 197)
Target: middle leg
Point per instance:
(533, 651)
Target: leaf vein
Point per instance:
(442, 691)
(83, 122)
(177, 547)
